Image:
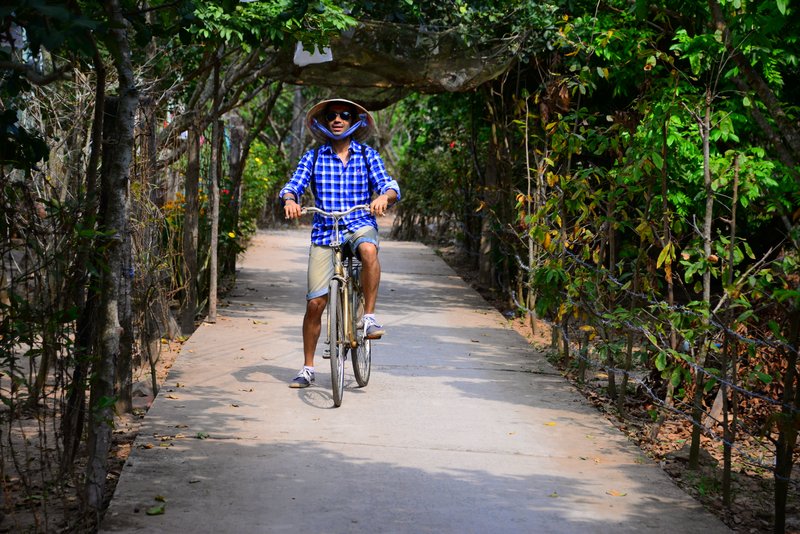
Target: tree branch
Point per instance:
(33, 76)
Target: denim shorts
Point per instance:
(320, 259)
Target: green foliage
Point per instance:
(265, 171)
(273, 21)
(436, 170)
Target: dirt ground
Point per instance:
(35, 498)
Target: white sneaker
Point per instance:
(303, 379)
(372, 330)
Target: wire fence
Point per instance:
(655, 314)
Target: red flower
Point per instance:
(452, 144)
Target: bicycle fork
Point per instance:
(342, 323)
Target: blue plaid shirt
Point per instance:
(338, 187)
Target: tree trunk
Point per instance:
(247, 133)
(532, 205)
(191, 221)
(628, 365)
(124, 368)
(788, 421)
(298, 125)
(213, 197)
(236, 161)
(85, 295)
(485, 263)
(666, 239)
(153, 318)
(612, 261)
(117, 157)
(730, 359)
(697, 409)
(216, 149)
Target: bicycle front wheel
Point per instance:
(337, 341)
(362, 354)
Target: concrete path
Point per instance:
(462, 428)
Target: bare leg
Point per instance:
(312, 325)
(370, 275)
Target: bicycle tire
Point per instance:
(362, 354)
(337, 344)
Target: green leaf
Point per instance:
(158, 509)
(782, 5)
(764, 377)
(651, 338)
(658, 161)
(661, 361)
(675, 379)
(749, 251)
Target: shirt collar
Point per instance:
(354, 148)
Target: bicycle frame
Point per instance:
(340, 273)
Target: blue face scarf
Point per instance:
(362, 123)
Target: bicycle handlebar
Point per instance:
(335, 214)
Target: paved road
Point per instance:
(462, 428)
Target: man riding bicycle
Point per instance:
(342, 172)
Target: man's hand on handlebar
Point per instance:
(292, 209)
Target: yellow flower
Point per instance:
(258, 160)
(231, 234)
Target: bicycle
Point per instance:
(345, 323)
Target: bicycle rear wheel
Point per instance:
(337, 341)
(362, 354)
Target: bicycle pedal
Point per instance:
(326, 354)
